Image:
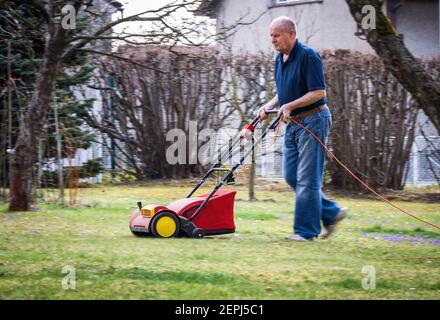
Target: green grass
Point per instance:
(254, 263)
(398, 231)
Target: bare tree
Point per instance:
(374, 120)
(62, 44)
(408, 70)
(166, 93)
(249, 84)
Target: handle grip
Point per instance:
(248, 130)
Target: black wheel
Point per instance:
(139, 234)
(198, 233)
(165, 225)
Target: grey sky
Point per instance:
(132, 7)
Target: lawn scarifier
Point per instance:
(209, 214)
(182, 217)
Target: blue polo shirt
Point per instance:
(302, 72)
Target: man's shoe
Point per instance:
(297, 237)
(329, 230)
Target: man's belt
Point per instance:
(309, 113)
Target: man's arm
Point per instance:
(306, 100)
(272, 104)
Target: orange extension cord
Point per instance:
(358, 179)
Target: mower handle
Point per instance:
(215, 167)
(230, 172)
(257, 118)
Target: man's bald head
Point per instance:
(283, 34)
(284, 23)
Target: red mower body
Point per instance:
(217, 217)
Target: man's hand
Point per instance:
(261, 113)
(285, 111)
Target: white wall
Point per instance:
(418, 21)
(328, 25)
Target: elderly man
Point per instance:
(301, 94)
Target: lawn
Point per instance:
(254, 263)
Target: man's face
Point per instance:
(282, 40)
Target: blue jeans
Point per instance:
(304, 169)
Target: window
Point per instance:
(283, 3)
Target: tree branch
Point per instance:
(408, 70)
(170, 8)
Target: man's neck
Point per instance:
(287, 53)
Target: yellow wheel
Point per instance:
(165, 225)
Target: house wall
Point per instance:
(327, 25)
(420, 35)
(96, 149)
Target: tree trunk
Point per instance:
(402, 64)
(23, 159)
(59, 154)
(252, 175)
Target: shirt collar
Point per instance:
(292, 52)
